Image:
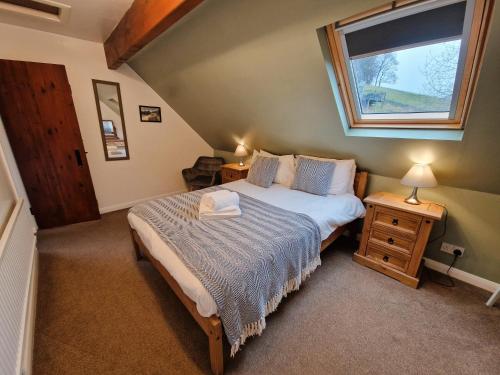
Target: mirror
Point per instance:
(111, 122)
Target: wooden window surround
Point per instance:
(469, 64)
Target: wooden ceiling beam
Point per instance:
(144, 21)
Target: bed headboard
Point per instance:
(360, 181)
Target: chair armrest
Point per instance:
(214, 176)
(190, 173)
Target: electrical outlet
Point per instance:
(449, 247)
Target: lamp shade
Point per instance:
(240, 151)
(419, 175)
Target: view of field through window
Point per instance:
(414, 80)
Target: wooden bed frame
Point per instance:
(212, 326)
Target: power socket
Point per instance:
(449, 248)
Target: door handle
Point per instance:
(78, 157)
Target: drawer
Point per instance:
(402, 222)
(230, 174)
(390, 240)
(387, 258)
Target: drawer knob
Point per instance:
(385, 258)
(390, 241)
(395, 221)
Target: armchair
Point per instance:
(204, 173)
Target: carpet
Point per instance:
(99, 311)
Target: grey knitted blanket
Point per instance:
(247, 264)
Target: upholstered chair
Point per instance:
(204, 173)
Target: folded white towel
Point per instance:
(220, 199)
(206, 213)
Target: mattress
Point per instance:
(328, 212)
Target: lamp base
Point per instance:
(241, 163)
(412, 198)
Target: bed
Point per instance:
(333, 215)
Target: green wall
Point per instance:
(473, 222)
(254, 71)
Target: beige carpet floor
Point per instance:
(101, 312)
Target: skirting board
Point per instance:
(121, 206)
(466, 277)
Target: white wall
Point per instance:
(158, 152)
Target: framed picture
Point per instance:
(150, 114)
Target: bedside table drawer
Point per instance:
(229, 174)
(392, 241)
(387, 258)
(407, 224)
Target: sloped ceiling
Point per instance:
(253, 70)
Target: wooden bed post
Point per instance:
(215, 336)
(360, 182)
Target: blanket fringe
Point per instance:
(291, 285)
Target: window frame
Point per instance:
(467, 73)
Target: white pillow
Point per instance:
(286, 168)
(254, 156)
(343, 175)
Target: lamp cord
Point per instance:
(444, 226)
(451, 282)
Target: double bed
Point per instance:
(332, 214)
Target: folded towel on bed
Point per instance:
(206, 213)
(220, 199)
(220, 204)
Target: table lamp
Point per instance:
(241, 152)
(419, 175)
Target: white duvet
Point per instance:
(328, 212)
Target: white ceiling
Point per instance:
(88, 19)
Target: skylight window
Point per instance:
(410, 64)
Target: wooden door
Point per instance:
(40, 120)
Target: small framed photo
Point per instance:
(150, 114)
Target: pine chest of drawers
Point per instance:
(233, 172)
(395, 235)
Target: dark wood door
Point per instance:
(40, 120)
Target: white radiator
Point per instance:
(17, 292)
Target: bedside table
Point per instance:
(395, 234)
(233, 172)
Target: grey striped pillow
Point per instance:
(263, 171)
(313, 176)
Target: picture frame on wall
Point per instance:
(149, 113)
